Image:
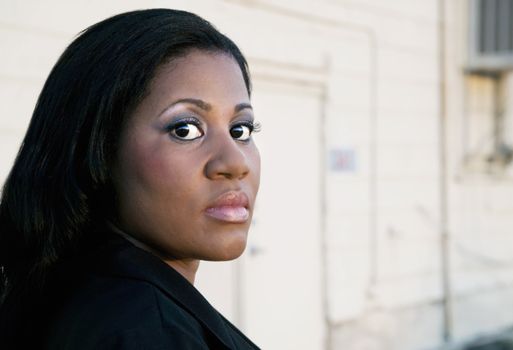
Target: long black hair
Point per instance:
(59, 192)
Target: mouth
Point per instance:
(230, 207)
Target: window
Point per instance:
(488, 125)
(490, 35)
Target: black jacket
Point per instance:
(127, 298)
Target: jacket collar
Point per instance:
(124, 259)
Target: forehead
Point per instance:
(200, 74)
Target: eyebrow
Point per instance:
(205, 105)
(242, 106)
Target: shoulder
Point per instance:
(116, 312)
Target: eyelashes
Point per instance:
(256, 127)
(189, 129)
(242, 131)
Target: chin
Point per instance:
(229, 250)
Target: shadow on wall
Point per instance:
(503, 343)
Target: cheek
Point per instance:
(157, 187)
(254, 159)
(164, 171)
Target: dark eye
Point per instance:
(241, 132)
(186, 131)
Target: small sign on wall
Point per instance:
(342, 160)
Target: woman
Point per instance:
(137, 164)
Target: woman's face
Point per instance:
(187, 170)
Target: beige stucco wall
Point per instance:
(353, 259)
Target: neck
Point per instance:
(186, 268)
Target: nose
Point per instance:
(227, 161)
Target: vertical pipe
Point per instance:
(328, 336)
(443, 193)
(373, 165)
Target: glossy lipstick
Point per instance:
(230, 207)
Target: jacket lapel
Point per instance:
(126, 260)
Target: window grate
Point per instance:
(491, 35)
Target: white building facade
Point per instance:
(385, 215)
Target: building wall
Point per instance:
(348, 224)
(479, 196)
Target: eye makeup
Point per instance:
(185, 129)
(190, 128)
(242, 131)
(182, 120)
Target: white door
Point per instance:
(274, 291)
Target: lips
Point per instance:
(230, 207)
